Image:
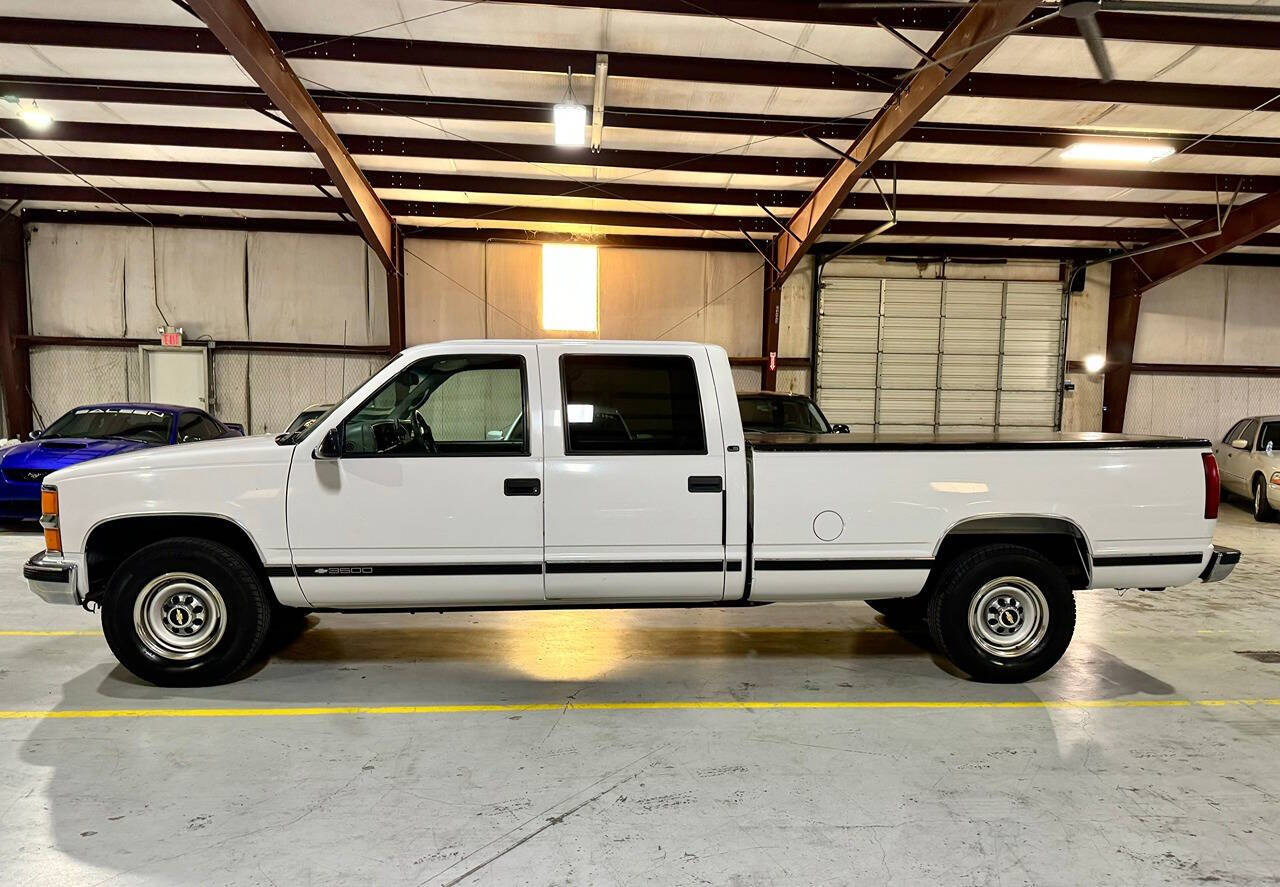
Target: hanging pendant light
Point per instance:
(570, 118)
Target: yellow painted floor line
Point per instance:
(333, 710)
(63, 633)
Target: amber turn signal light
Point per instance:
(49, 519)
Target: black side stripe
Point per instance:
(921, 563)
(733, 566)
(329, 570)
(636, 566)
(1147, 560)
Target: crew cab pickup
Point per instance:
(532, 474)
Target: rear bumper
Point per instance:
(53, 580)
(1221, 562)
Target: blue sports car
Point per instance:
(91, 432)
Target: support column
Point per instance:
(395, 295)
(15, 363)
(772, 329)
(1122, 331)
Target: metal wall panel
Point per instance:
(746, 378)
(849, 349)
(1031, 355)
(66, 376)
(1197, 405)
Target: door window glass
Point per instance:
(1270, 436)
(1234, 433)
(631, 404)
(1249, 431)
(197, 426)
(469, 405)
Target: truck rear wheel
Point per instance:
(1002, 613)
(185, 612)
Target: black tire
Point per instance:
(1034, 581)
(1262, 510)
(145, 584)
(901, 609)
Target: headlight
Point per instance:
(49, 520)
(1275, 478)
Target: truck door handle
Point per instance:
(706, 484)
(521, 486)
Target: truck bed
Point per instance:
(1052, 440)
(873, 525)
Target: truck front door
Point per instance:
(436, 497)
(635, 468)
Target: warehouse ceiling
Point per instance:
(709, 121)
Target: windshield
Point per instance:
(130, 423)
(798, 414)
(306, 419)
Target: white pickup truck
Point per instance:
(522, 474)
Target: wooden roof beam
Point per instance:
(961, 48)
(236, 26)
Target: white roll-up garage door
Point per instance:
(926, 355)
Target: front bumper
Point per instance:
(52, 579)
(1221, 562)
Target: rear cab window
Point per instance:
(631, 405)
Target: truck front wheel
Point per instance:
(185, 612)
(1002, 613)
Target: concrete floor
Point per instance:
(1129, 783)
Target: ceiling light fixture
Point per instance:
(1094, 363)
(32, 115)
(597, 101)
(570, 118)
(1118, 152)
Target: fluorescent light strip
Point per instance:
(1117, 152)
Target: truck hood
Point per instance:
(225, 451)
(56, 453)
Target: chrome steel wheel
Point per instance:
(179, 616)
(1008, 617)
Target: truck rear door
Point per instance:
(634, 473)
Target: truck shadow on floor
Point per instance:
(464, 664)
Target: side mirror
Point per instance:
(34, 434)
(330, 447)
(840, 428)
(1240, 444)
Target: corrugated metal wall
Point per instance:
(471, 289)
(919, 353)
(105, 281)
(1214, 314)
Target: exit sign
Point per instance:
(170, 337)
